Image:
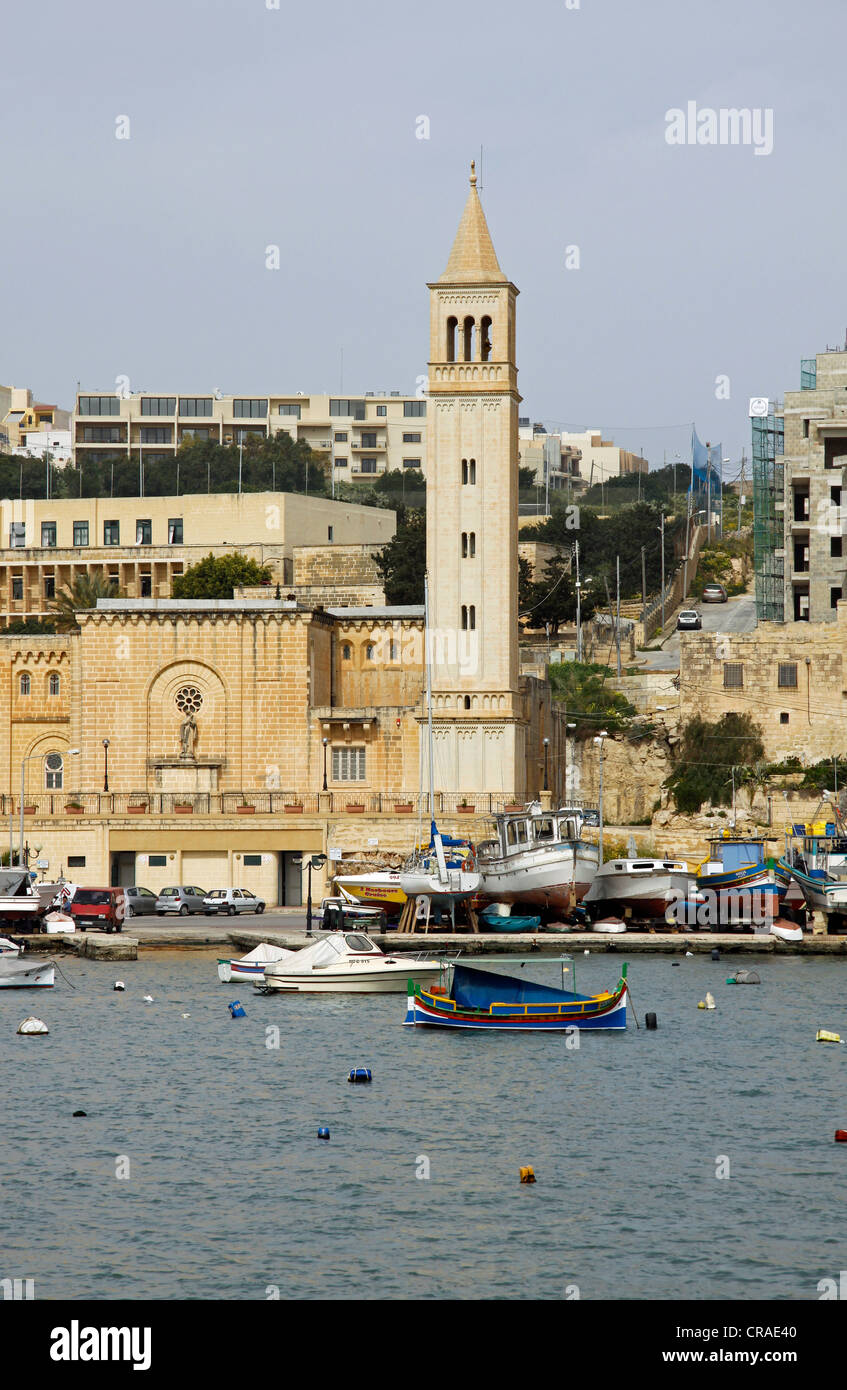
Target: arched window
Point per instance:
(464, 545)
(54, 771)
(485, 339)
(467, 702)
(464, 472)
(464, 617)
(53, 683)
(472, 617)
(452, 325)
(370, 651)
(346, 652)
(468, 339)
(472, 472)
(26, 684)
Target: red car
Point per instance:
(104, 908)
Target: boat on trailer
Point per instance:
(816, 857)
(506, 1003)
(538, 857)
(640, 888)
(747, 885)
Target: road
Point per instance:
(736, 615)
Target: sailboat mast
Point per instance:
(428, 655)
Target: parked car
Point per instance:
(689, 620)
(181, 900)
(714, 593)
(229, 901)
(98, 907)
(140, 902)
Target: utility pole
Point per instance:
(662, 533)
(578, 606)
(708, 494)
(740, 493)
(618, 611)
(643, 582)
(687, 533)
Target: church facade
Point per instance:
(217, 742)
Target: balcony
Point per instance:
(65, 806)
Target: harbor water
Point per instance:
(197, 1173)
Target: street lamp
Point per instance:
(546, 756)
(105, 764)
(598, 743)
(314, 861)
(325, 744)
(567, 726)
(32, 757)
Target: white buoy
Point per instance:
(32, 1027)
(710, 1001)
(119, 984)
(186, 1015)
(148, 999)
(689, 953)
(586, 952)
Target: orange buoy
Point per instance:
(841, 1136)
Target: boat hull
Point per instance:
(543, 878)
(639, 895)
(368, 979)
(744, 895)
(24, 976)
(422, 1012)
(377, 890)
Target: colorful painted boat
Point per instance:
(816, 857)
(742, 884)
(483, 999)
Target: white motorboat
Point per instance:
(251, 966)
(345, 963)
(537, 857)
(19, 974)
(9, 948)
(20, 904)
(641, 888)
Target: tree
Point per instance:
(602, 540)
(551, 599)
(581, 687)
(83, 593)
(217, 575)
(402, 563)
(707, 753)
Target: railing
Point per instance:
(253, 803)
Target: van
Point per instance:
(103, 908)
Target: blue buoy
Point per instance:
(236, 1009)
(323, 1132)
(360, 1074)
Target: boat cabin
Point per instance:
(729, 853)
(518, 831)
(645, 866)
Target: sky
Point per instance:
(661, 284)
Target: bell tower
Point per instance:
(472, 516)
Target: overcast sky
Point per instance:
(297, 127)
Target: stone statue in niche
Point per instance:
(188, 736)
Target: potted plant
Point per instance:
(184, 808)
(245, 808)
(29, 810)
(403, 808)
(293, 808)
(464, 809)
(73, 808)
(138, 809)
(513, 806)
(355, 807)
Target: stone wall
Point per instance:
(338, 575)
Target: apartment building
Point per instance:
(362, 436)
(142, 543)
(20, 415)
(601, 459)
(556, 465)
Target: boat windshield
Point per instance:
(544, 828)
(516, 832)
(360, 944)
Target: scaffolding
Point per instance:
(808, 373)
(768, 523)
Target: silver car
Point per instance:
(139, 902)
(229, 901)
(181, 900)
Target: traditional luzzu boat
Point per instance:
(816, 857)
(749, 886)
(482, 999)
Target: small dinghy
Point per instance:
(612, 925)
(9, 948)
(345, 963)
(251, 966)
(786, 931)
(56, 922)
(18, 974)
(498, 917)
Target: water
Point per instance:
(230, 1192)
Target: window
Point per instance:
(413, 409)
(48, 533)
(76, 861)
(835, 547)
(411, 463)
(144, 532)
(252, 861)
(834, 597)
(158, 405)
(157, 861)
(783, 718)
(468, 617)
(17, 586)
(805, 429)
(49, 586)
(329, 533)
(290, 410)
(411, 439)
(249, 410)
(346, 652)
(103, 434)
(111, 533)
(80, 533)
(146, 585)
(175, 530)
(368, 441)
(54, 771)
(348, 764)
(733, 675)
(341, 463)
(787, 675)
(382, 410)
(25, 683)
(54, 684)
(468, 545)
(468, 472)
(356, 409)
(156, 434)
(370, 651)
(17, 535)
(99, 405)
(195, 405)
(835, 496)
(368, 465)
(341, 437)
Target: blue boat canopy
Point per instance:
(479, 989)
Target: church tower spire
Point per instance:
(472, 515)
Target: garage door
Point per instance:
(205, 869)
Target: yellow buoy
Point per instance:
(823, 1036)
(527, 1175)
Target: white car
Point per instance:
(229, 901)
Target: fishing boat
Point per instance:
(251, 966)
(20, 904)
(746, 885)
(345, 963)
(538, 857)
(499, 917)
(641, 888)
(19, 974)
(483, 999)
(816, 858)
